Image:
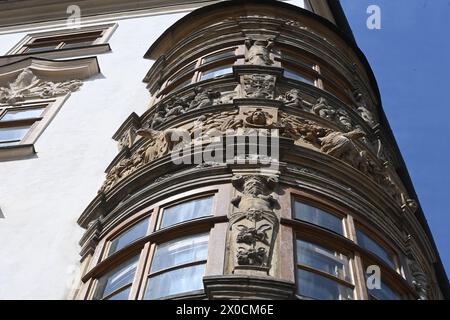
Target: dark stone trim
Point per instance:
(248, 288)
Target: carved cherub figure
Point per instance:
(251, 256)
(161, 142)
(323, 109)
(251, 235)
(293, 98)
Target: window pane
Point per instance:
(10, 143)
(219, 56)
(116, 278)
(134, 233)
(368, 243)
(122, 295)
(78, 44)
(176, 281)
(384, 293)
(323, 259)
(297, 76)
(315, 286)
(14, 133)
(180, 251)
(187, 211)
(19, 114)
(40, 49)
(216, 72)
(318, 217)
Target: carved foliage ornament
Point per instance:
(28, 85)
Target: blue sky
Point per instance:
(410, 56)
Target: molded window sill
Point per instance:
(16, 152)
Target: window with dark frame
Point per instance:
(178, 266)
(17, 120)
(116, 284)
(369, 243)
(206, 67)
(323, 273)
(134, 233)
(64, 41)
(318, 217)
(186, 211)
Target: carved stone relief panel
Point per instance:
(253, 224)
(259, 86)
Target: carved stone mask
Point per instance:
(259, 117)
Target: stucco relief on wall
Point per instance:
(27, 85)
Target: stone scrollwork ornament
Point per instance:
(253, 223)
(28, 85)
(419, 278)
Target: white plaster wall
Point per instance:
(41, 198)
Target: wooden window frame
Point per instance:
(147, 272)
(340, 281)
(321, 206)
(398, 268)
(359, 257)
(26, 145)
(101, 263)
(179, 77)
(323, 75)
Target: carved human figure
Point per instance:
(161, 142)
(258, 52)
(344, 119)
(159, 117)
(176, 107)
(203, 98)
(366, 115)
(341, 145)
(323, 109)
(253, 198)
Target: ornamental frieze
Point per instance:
(350, 147)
